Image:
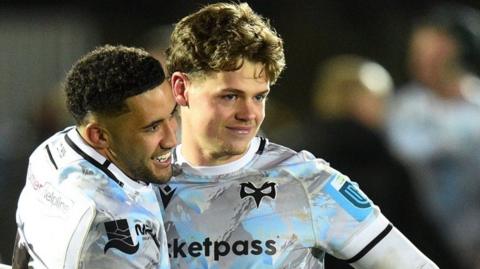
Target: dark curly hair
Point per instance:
(219, 37)
(102, 79)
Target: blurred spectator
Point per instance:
(350, 94)
(434, 125)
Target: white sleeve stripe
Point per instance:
(370, 245)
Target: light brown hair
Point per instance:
(220, 37)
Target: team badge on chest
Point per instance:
(266, 190)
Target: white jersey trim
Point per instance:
(79, 234)
(218, 169)
(362, 239)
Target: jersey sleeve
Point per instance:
(53, 220)
(392, 251)
(348, 225)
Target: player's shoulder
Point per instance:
(302, 166)
(47, 195)
(53, 152)
(83, 175)
(274, 154)
(47, 142)
(56, 164)
(53, 158)
(76, 183)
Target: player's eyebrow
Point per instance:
(151, 124)
(156, 122)
(265, 92)
(238, 91)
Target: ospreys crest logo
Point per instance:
(119, 237)
(267, 189)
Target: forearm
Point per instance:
(394, 251)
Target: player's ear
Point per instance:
(179, 86)
(96, 135)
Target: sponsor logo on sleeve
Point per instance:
(349, 197)
(52, 197)
(61, 150)
(35, 183)
(266, 190)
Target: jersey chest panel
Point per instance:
(257, 220)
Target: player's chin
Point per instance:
(237, 148)
(161, 174)
(163, 178)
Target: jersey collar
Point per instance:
(256, 145)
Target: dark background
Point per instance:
(39, 41)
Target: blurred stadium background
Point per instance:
(39, 40)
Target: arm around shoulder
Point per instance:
(51, 218)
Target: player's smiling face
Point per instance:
(141, 140)
(223, 114)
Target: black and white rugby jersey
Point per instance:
(276, 208)
(78, 210)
